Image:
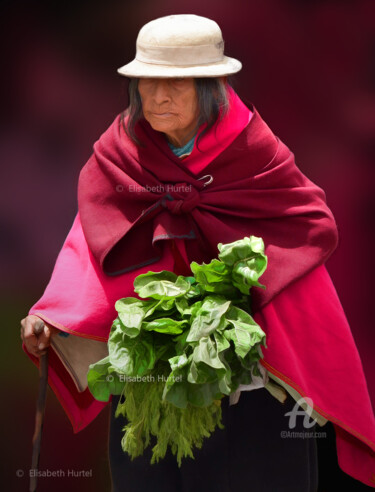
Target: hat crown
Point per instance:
(180, 30)
(184, 45)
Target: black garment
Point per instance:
(249, 454)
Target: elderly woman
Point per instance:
(187, 166)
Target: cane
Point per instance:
(40, 406)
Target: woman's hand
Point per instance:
(36, 334)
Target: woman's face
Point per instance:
(171, 107)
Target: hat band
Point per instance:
(181, 55)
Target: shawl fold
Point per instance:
(137, 202)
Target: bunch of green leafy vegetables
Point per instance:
(180, 347)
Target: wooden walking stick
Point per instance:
(40, 406)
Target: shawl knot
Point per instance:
(182, 198)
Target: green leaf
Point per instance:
(202, 395)
(177, 394)
(214, 277)
(195, 291)
(160, 285)
(241, 249)
(247, 262)
(126, 305)
(208, 317)
(245, 332)
(131, 356)
(145, 278)
(206, 352)
(206, 365)
(252, 357)
(195, 308)
(132, 312)
(181, 393)
(103, 381)
(183, 307)
(164, 305)
(178, 361)
(191, 280)
(221, 342)
(164, 346)
(246, 273)
(175, 390)
(181, 343)
(165, 325)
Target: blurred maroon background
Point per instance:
(309, 68)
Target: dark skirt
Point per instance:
(249, 454)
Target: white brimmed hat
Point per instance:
(180, 46)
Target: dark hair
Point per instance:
(212, 102)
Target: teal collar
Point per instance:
(182, 151)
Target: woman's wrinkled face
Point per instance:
(171, 107)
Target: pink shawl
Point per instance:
(310, 345)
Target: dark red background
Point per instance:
(309, 68)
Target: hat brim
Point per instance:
(138, 69)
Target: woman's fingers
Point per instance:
(32, 329)
(27, 331)
(28, 336)
(38, 326)
(44, 337)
